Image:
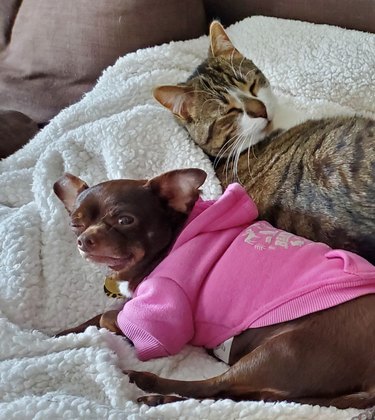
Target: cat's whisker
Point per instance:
(235, 154)
(250, 149)
(240, 69)
(227, 146)
(232, 63)
(233, 148)
(227, 171)
(226, 166)
(238, 155)
(220, 155)
(239, 149)
(247, 74)
(246, 136)
(248, 162)
(220, 105)
(230, 161)
(209, 88)
(237, 72)
(210, 92)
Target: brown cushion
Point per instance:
(15, 130)
(8, 12)
(351, 14)
(59, 48)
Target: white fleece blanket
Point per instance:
(118, 130)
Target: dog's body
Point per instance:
(325, 358)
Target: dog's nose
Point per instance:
(85, 242)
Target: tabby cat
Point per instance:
(315, 179)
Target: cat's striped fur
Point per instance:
(316, 179)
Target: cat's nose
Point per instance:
(256, 109)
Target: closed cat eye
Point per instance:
(233, 109)
(252, 88)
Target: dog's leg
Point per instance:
(359, 400)
(279, 369)
(95, 321)
(263, 374)
(312, 360)
(107, 320)
(236, 383)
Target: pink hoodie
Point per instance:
(227, 273)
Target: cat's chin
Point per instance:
(258, 128)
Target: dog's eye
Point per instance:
(125, 220)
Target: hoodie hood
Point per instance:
(233, 209)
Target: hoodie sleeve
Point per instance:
(158, 320)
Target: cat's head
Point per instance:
(226, 104)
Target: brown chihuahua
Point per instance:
(324, 358)
(128, 225)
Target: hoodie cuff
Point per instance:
(146, 346)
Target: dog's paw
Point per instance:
(144, 380)
(154, 400)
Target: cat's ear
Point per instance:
(221, 45)
(177, 98)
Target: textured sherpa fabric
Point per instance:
(118, 130)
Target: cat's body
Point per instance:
(341, 211)
(316, 179)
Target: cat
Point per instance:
(315, 179)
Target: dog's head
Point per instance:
(129, 225)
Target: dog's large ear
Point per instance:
(67, 188)
(176, 98)
(180, 188)
(221, 45)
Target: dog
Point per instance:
(293, 319)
